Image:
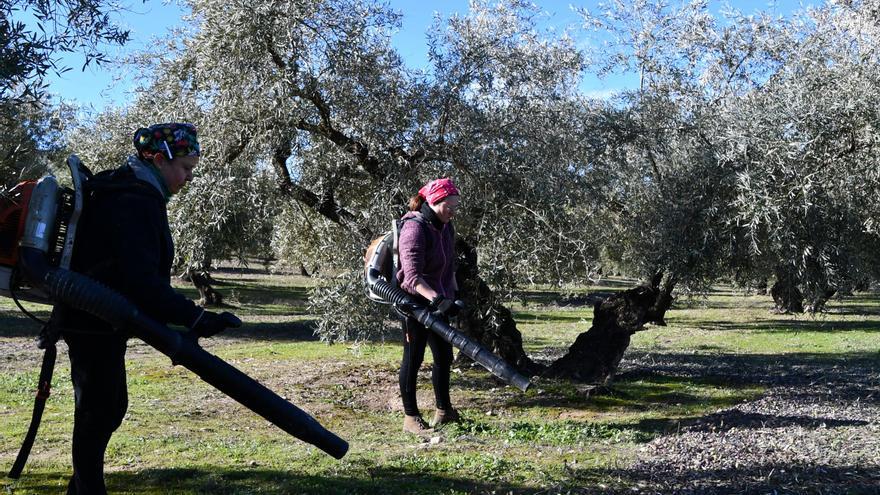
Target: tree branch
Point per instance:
(369, 162)
(325, 204)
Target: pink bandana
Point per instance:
(437, 190)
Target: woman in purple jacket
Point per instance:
(427, 271)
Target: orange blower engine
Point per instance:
(15, 205)
(13, 213)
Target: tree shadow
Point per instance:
(664, 383)
(242, 270)
(788, 478)
(763, 369)
(624, 395)
(296, 331)
(811, 377)
(758, 369)
(806, 324)
(16, 324)
(526, 317)
(586, 300)
(219, 481)
(651, 428)
(599, 291)
(734, 418)
(238, 293)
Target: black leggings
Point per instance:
(415, 338)
(97, 366)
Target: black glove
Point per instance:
(447, 307)
(211, 323)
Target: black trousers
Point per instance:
(97, 367)
(416, 337)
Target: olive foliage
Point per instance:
(746, 152)
(314, 94)
(806, 145)
(751, 142)
(32, 139)
(34, 32)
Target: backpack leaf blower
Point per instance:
(37, 230)
(379, 271)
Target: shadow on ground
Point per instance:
(803, 324)
(300, 331)
(15, 324)
(375, 480)
(805, 369)
(794, 478)
(739, 419)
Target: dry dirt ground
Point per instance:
(816, 430)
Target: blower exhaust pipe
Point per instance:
(471, 349)
(83, 293)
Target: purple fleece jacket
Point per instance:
(437, 266)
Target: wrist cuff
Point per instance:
(199, 318)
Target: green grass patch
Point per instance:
(560, 433)
(181, 436)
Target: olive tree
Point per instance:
(747, 146)
(667, 197)
(315, 92)
(744, 127)
(806, 147)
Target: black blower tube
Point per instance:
(81, 292)
(471, 349)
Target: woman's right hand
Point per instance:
(445, 306)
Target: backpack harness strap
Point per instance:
(47, 341)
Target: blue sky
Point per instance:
(102, 86)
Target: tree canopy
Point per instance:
(746, 154)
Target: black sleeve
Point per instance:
(137, 242)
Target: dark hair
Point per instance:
(415, 202)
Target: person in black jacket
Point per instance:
(124, 241)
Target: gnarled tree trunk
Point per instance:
(596, 353)
(202, 280)
(819, 300)
(664, 283)
(786, 295)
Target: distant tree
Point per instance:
(32, 139)
(750, 144)
(805, 146)
(745, 139)
(667, 196)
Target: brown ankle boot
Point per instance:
(445, 416)
(416, 425)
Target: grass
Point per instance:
(181, 436)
